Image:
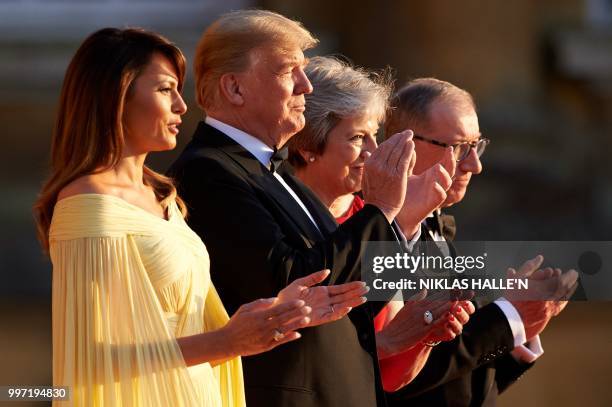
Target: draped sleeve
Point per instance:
(111, 344)
(228, 373)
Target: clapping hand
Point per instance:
(266, 323)
(408, 328)
(386, 174)
(261, 325)
(426, 192)
(546, 296)
(328, 303)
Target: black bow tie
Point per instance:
(278, 157)
(442, 224)
(433, 223)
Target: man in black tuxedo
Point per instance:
(264, 230)
(501, 341)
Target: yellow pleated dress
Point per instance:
(126, 284)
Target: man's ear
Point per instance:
(229, 86)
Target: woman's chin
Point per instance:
(355, 183)
(169, 144)
(352, 186)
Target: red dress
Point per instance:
(356, 206)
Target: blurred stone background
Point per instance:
(541, 75)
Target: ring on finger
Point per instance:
(278, 335)
(428, 317)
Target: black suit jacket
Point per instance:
(259, 240)
(470, 370)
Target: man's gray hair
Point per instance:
(340, 91)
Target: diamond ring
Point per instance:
(428, 317)
(278, 335)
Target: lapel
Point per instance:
(321, 214)
(293, 210)
(208, 137)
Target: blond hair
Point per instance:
(227, 44)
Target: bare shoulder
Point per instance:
(87, 184)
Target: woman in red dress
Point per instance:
(342, 118)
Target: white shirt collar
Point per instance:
(253, 145)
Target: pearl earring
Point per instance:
(311, 159)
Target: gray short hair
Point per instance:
(340, 91)
(410, 105)
(226, 46)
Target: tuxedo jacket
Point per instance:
(470, 370)
(259, 240)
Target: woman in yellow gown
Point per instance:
(136, 320)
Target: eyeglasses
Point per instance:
(460, 150)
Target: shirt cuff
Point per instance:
(529, 352)
(514, 320)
